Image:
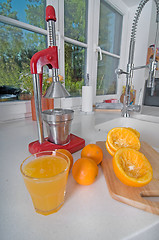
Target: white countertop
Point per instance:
(89, 212)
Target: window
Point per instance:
(88, 24)
(106, 78)
(84, 27)
(19, 41)
(110, 28)
(75, 19)
(75, 68)
(75, 28)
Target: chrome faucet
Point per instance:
(130, 66)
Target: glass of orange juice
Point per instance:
(45, 175)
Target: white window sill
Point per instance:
(14, 110)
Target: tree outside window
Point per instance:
(19, 45)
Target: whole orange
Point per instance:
(68, 154)
(93, 151)
(85, 171)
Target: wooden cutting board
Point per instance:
(133, 195)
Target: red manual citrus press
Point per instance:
(57, 120)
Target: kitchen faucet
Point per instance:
(127, 107)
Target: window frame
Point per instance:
(91, 46)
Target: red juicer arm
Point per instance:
(48, 56)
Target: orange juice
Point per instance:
(45, 177)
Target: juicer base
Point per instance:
(76, 143)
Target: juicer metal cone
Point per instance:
(56, 90)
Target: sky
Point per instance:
(19, 6)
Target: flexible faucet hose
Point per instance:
(137, 15)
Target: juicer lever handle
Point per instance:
(50, 13)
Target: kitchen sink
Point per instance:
(147, 118)
(149, 131)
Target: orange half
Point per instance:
(122, 137)
(132, 167)
(135, 131)
(110, 151)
